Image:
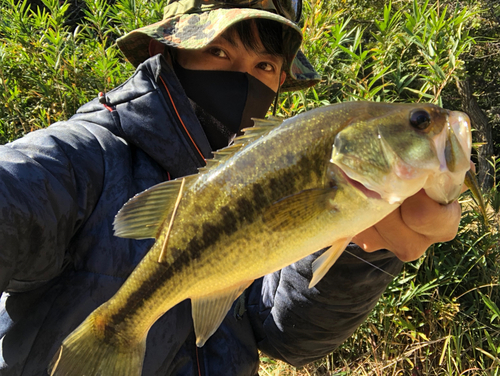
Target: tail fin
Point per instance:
(83, 353)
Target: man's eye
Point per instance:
(218, 52)
(266, 67)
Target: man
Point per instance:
(203, 73)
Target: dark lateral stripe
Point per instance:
(245, 210)
(135, 301)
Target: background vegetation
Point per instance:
(441, 316)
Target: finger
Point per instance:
(393, 234)
(370, 240)
(403, 241)
(425, 216)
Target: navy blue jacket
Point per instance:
(60, 189)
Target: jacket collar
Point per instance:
(152, 112)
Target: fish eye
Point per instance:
(420, 119)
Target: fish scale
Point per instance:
(283, 191)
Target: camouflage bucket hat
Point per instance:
(192, 24)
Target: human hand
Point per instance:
(412, 228)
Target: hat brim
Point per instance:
(195, 31)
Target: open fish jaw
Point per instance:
(453, 147)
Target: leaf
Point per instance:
(492, 306)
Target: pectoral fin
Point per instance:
(296, 209)
(144, 214)
(208, 311)
(324, 262)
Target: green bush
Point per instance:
(410, 54)
(49, 68)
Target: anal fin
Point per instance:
(208, 311)
(324, 262)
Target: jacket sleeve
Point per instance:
(299, 325)
(49, 180)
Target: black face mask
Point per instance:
(224, 101)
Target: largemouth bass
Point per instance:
(282, 191)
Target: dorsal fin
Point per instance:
(220, 156)
(261, 128)
(143, 215)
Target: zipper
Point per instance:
(184, 128)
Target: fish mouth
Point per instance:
(360, 187)
(453, 148)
